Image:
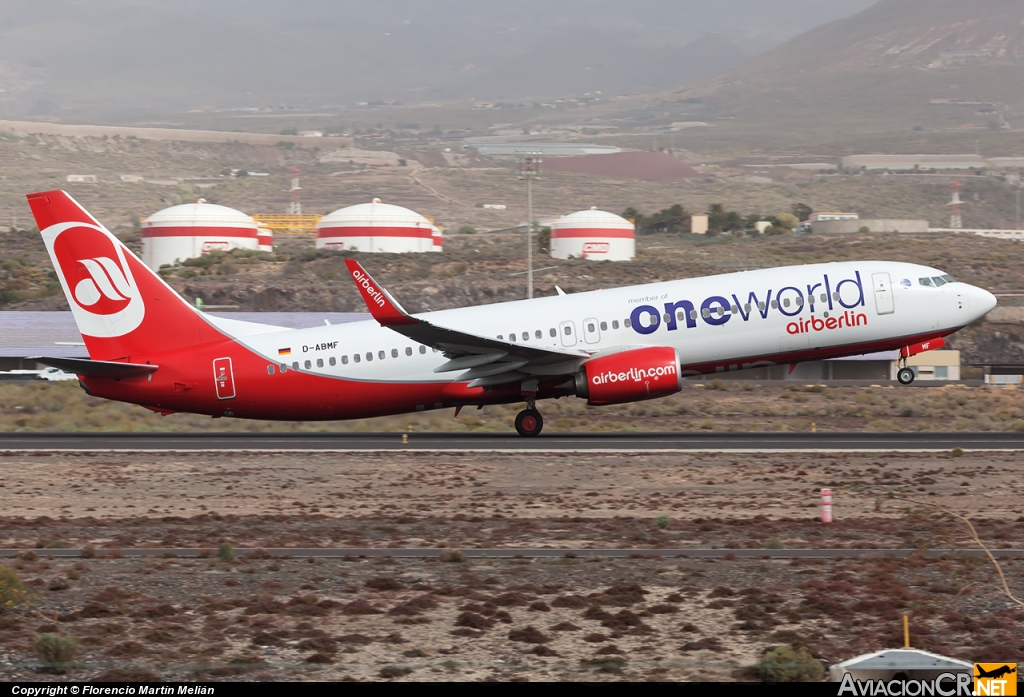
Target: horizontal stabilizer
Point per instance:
(114, 370)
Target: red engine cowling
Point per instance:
(629, 376)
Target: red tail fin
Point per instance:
(123, 309)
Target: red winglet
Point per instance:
(382, 306)
(51, 207)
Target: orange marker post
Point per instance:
(826, 505)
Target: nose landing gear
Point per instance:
(905, 375)
(529, 422)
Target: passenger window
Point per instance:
(824, 298)
(307, 365)
(408, 350)
(760, 306)
(333, 361)
(344, 360)
(512, 337)
(538, 334)
(938, 281)
(680, 315)
(295, 365)
(735, 309)
(355, 357)
(720, 311)
(746, 307)
(693, 314)
(423, 349)
(319, 362)
(501, 337)
(604, 326)
(553, 332)
(568, 330)
(799, 301)
(785, 302)
(615, 324)
(667, 318)
(270, 370)
(380, 355)
(526, 336)
(394, 353)
(284, 368)
(775, 304)
(835, 296)
(626, 323)
(591, 328)
(705, 313)
(369, 355)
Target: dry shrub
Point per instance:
(414, 606)
(565, 627)
(58, 584)
(112, 594)
(360, 606)
(539, 606)
(155, 611)
(258, 553)
(321, 645)
(473, 620)
(453, 556)
(541, 650)
(623, 594)
(56, 651)
(623, 620)
(784, 664)
(529, 635)
(13, 593)
(596, 612)
(163, 633)
(595, 638)
(663, 609)
(467, 632)
(705, 644)
(264, 605)
(513, 599)
(267, 639)
(609, 650)
(96, 610)
(605, 664)
(722, 592)
(394, 671)
(318, 659)
(384, 583)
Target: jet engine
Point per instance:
(629, 376)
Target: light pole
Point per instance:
(1018, 205)
(529, 169)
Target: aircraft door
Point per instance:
(883, 293)
(567, 330)
(224, 378)
(591, 331)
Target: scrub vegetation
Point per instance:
(716, 405)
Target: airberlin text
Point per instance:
(946, 685)
(372, 292)
(634, 374)
(826, 296)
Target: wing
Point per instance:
(114, 370)
(485, 361)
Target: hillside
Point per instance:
(933, 64)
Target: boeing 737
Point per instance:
(148, 346)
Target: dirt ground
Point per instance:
(643, 618)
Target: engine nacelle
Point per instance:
(630, 376)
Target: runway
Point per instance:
(489, 442)
(358, 553)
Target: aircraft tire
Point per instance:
(529, 423)
(905, 376)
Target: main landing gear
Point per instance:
(905, 375)
(529, 422)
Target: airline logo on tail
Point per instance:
(97, 279)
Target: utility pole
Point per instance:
(1018, 205)
(529, 169)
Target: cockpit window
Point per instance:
(925, 281)
(949, 279)
(938, 281)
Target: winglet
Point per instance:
(383, 307)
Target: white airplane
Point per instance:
(149, 347)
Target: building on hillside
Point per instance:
(593, 234)
(872, 225)
(191, 230)
(378, 227)
(815, 217)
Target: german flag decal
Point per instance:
(284, 352)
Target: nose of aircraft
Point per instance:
(979, 301)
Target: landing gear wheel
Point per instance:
(529, 423)
(905, 376)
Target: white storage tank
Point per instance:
(437, 238)
(194, 229)
(593, 234)
(377, 227)
(264, 238)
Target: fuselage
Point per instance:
(716, 324)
